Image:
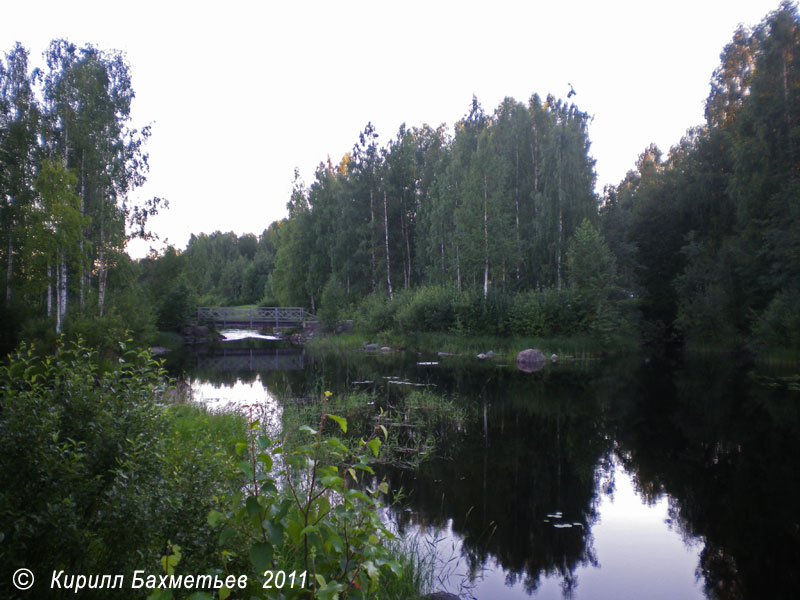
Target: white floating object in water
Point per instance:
(427, 364)
(562, 525)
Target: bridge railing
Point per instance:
(273, 315)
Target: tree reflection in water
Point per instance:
(724, 450)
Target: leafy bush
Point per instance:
(178, 308)
(779, 325)
(79, 458)
(427, 309)
(313, 510)
(93, 475)
(375, 313)
(332, 302)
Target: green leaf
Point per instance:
(214, 517)
(253, 507)
(375, 445)
(308, 430)
(396, 568)
(261, 556)
(372, 570)
(266, 460)
(275, 532)
(341, 421)
(358, 494)
(336, 444)
(330, 591)
(294, 528)
(332, 481)
(226, 534)
(224, 592)
(269, 487)
(240, 447)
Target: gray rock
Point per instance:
(530, 360)
(371, 347)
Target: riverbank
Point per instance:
(503, 348)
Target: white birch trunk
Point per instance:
(82, 275)
(10, 269)
(49, 289)
(386, 238)
(373, 276)
(485, 239)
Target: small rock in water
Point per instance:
(530, 360)
(554, 358)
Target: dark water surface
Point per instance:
(608, 479)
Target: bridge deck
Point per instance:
(244, 317)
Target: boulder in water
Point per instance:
(530, 360)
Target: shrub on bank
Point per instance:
(94, 476)
(544, 313)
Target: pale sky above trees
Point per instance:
(241, 93)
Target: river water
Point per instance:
(623, 478)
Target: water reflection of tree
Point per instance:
(728, 453)
(534, 454)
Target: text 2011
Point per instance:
(280, 579)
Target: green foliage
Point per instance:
(311, 508)
(375, 313)
(546, 313)
(332, 303)
(80, 455)
(710, 235)
(178, 308)
(428, 308)
(779, 325)
(95, 474)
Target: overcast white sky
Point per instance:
(241, 93)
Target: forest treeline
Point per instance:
(69, 158)
(493, 227)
